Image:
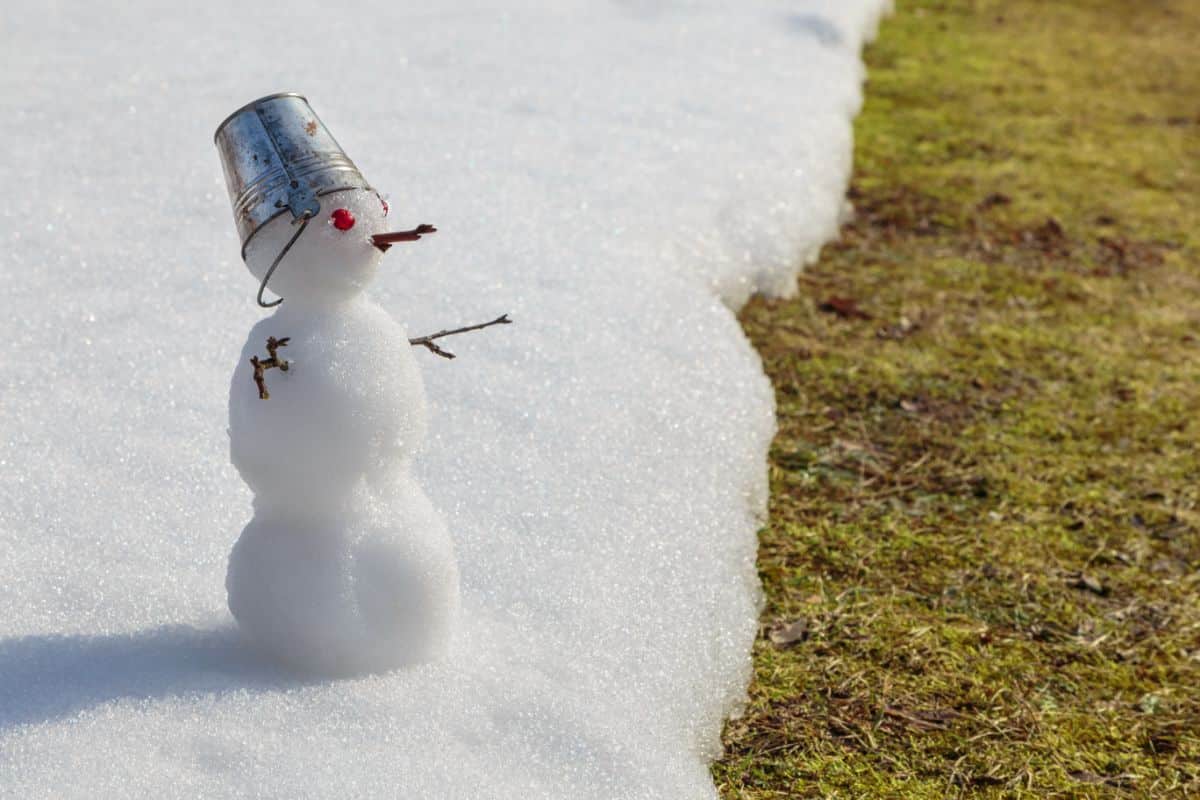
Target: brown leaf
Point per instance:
(786, 634)
(994, 199)
(899, 330)
(1088, 583)
(844, 307)
(1049, 238)
(1126, 255)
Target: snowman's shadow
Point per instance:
(43, 678)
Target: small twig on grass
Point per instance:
(273, 360)
(427, 341)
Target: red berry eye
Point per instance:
(342, 219)
(385, 206)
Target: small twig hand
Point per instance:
(427, 341)
(273, 360)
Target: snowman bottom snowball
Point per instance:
(352, 594)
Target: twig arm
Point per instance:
(427, 341)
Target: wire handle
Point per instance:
(270, 271)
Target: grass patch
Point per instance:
(982, 559)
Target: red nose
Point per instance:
(342, 219)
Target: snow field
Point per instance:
(614, 175)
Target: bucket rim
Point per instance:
(251, 105)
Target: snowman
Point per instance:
(346, 567)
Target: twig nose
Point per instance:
(385, 240)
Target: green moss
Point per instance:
(984, 497)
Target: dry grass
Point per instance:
(984, 519)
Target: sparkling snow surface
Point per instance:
(614, 175)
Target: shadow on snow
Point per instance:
(43, 678)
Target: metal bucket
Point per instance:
(278, 156)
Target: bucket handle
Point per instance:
(270, 271)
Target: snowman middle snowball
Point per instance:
(346, 567)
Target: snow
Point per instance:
(616, 176)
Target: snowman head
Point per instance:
(300, 204)
(333, 260)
